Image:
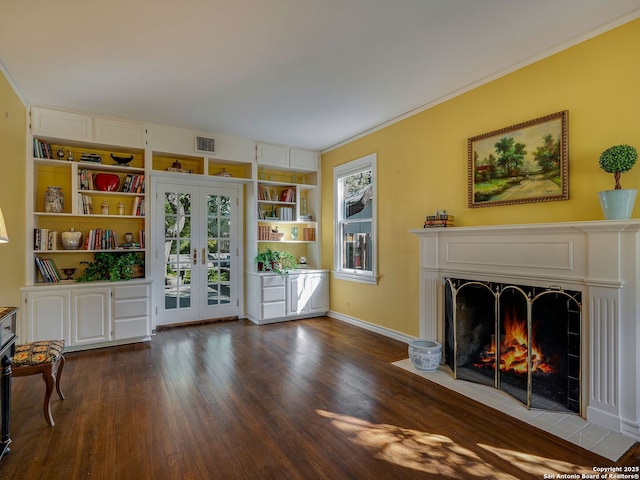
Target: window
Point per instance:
(355, 215)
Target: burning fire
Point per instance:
(514, 347)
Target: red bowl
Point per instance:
(107, 182)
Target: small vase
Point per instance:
(71, 240)
(53, 200)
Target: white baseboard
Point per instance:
(387, 332)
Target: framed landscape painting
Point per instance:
(523, 163)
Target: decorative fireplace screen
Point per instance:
(521, 339)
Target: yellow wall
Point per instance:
(422, 163)
(13, 140)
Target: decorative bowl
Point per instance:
(69, 273)
(425, 354)
(107, 182)
(121, 160)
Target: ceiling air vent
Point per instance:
(205, 145)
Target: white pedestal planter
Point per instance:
(618, 204)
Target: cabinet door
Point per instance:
(118, 132)
(307, 293)
(274, 155)
(60, 124)
(90, 316)
(47, 315)
(318, 293)
(300, 159)
(297, 299)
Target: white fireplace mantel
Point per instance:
(601, 259)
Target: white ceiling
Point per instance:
(306, 73)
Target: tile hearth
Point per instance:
(569, 427)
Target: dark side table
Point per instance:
(7, 350)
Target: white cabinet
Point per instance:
(113, 131)
(267, 302)
(60, 124)
(47, 122)
(131, 311)
(281, 156)
(305, 160)
(275, 298)
(307, 294)
(272, 155)
(88, 315)
(100, 197)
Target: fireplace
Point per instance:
(593, 267)
(520, 339)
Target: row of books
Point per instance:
(264, 232)
(309, 234)
(264, 193)
(133, 184)
(285, 213)
(85, 179)
(107, 239)
(45, 239)
(48, 270)
(85, 205)
(42, 149)
(99, 239)
(137, 207)
(287, 195)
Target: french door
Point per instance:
(197, 228)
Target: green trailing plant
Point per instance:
(617, 160)
(270, 260)
(112, 266)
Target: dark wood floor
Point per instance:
(310, 399)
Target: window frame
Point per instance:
(368, 162)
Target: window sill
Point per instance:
(356, 277)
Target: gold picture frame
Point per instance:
(524, 163)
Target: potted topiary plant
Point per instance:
(618, 203)
(270, 260)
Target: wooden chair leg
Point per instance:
(49, 379)
(58, 375)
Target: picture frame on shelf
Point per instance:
(524, 163)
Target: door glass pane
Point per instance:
(218, 248)
(177, 250)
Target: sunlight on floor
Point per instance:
(569, 427)
(537, 465)
(438, 454)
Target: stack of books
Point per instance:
(439, 221)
